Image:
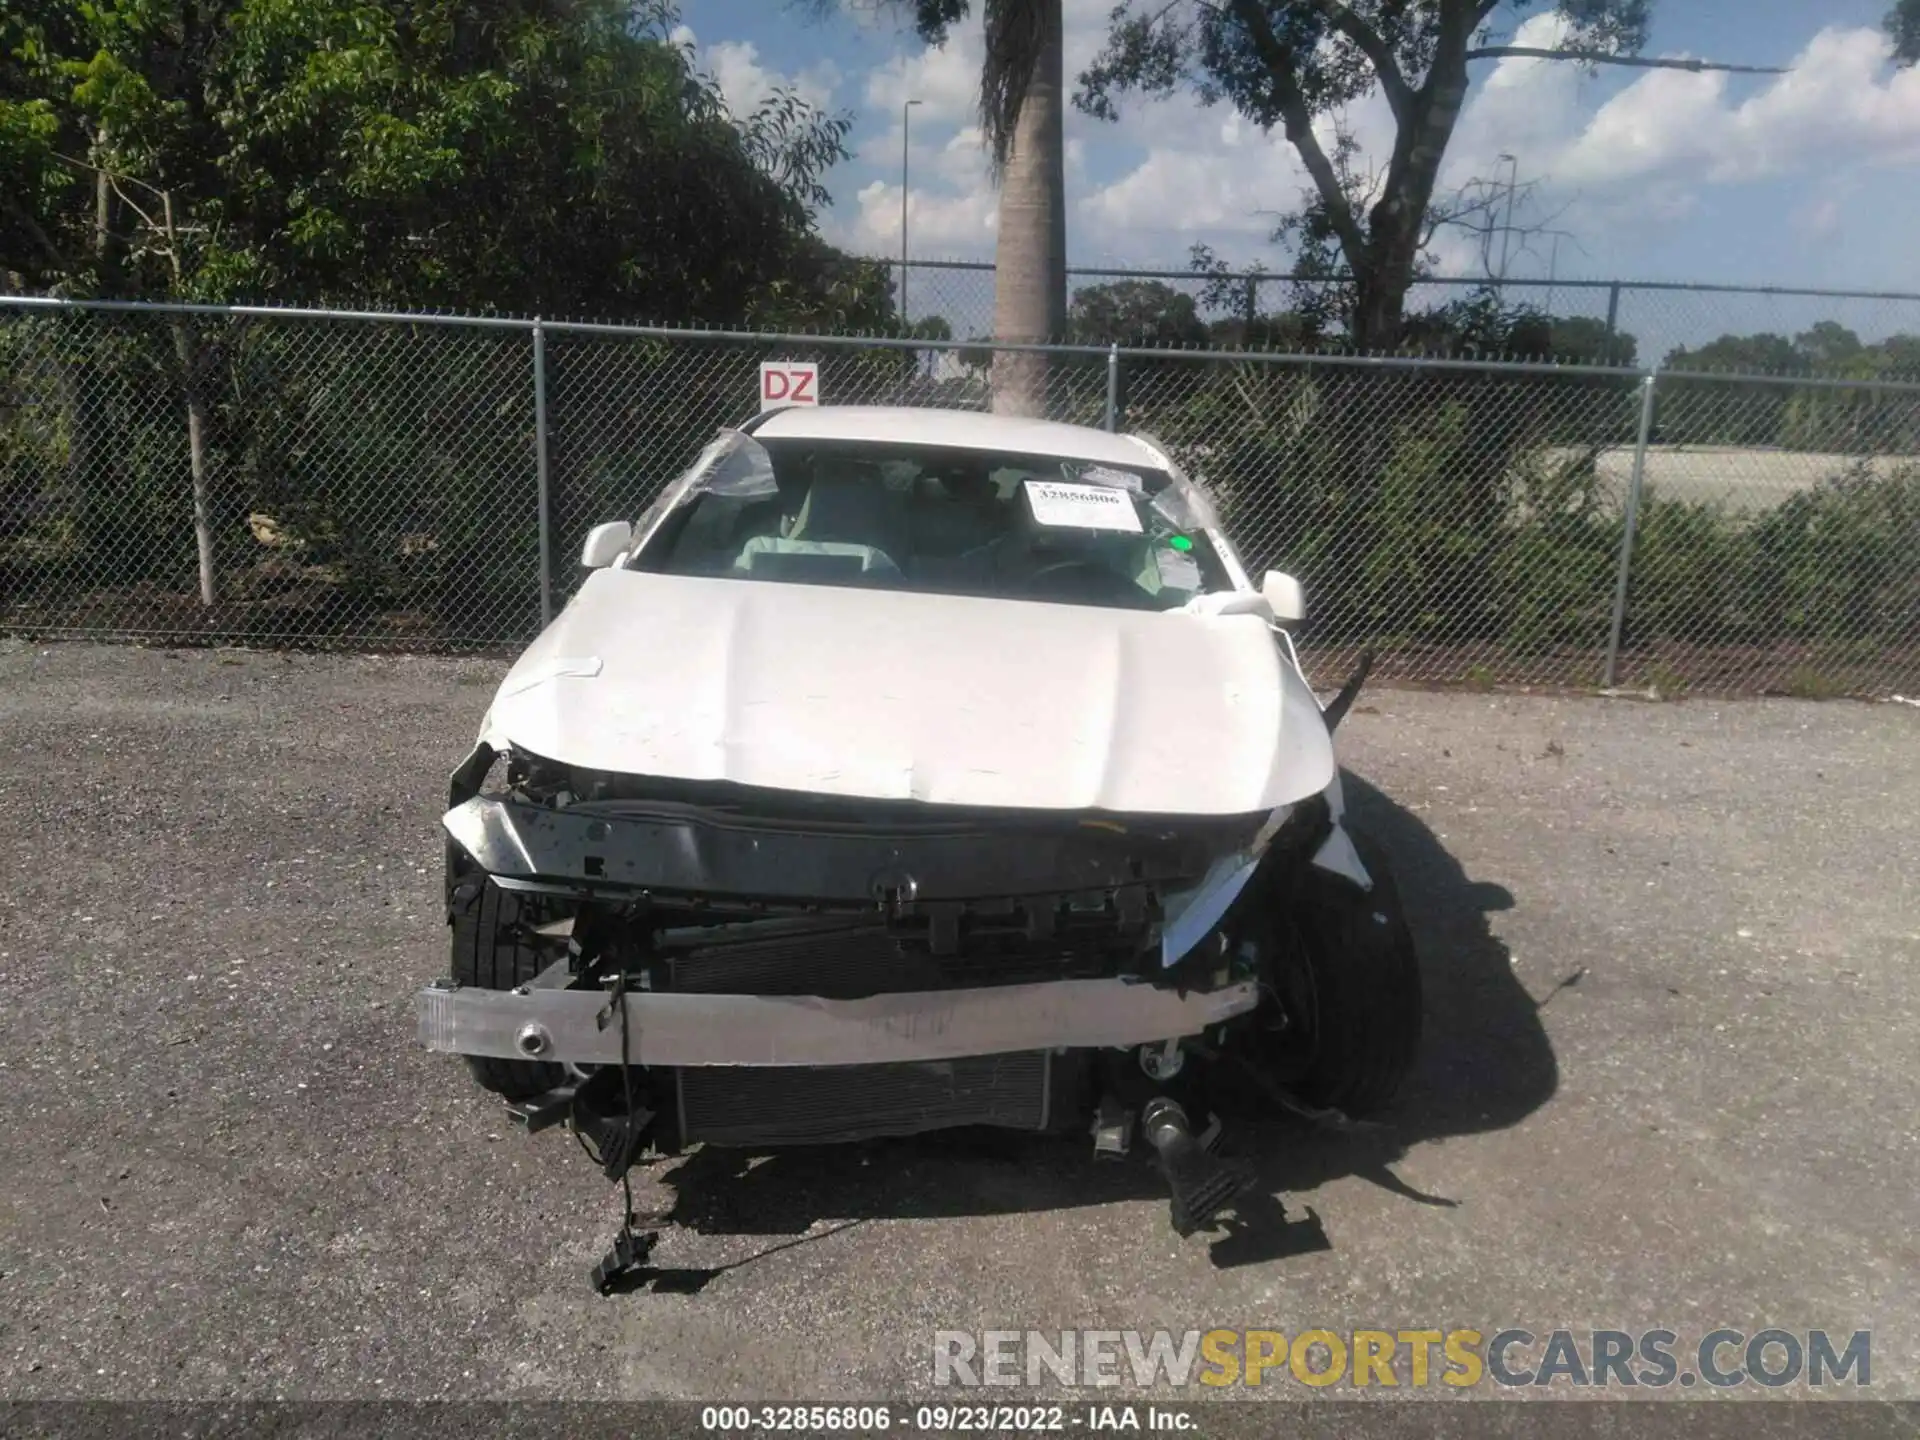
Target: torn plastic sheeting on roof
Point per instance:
(744, 471)
(699, 477)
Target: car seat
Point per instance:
(853, 506)
(848, 525)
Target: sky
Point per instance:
(1808, 178)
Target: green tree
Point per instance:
(1246, 326)
(1854, 421)
(1287, 63)
(1583, 340)
(1145, 314)
(1826, 345)
(1717, 412)
(1763, 354)
(1851, 421)
(1903, 28)
(559, 156)
(1480, 324)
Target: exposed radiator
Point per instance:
(735, 1105)
(842, 960)
(837, 962)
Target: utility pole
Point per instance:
(906, 120)
(1506, 228)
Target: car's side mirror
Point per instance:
(604, 544)
(1283, 593)
(1229, 602)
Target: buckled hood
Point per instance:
(894, 695)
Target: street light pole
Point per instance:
(906, 120)
(1506, 229)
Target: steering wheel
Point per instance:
(1073, 563)
(1110, 587)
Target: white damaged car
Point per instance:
(903, 769)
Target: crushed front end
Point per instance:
(753, 967)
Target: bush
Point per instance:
(1554, 565)
(1690, 561)
(1838, 561)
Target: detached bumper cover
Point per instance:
(665, 1028)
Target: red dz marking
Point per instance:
(794, 385)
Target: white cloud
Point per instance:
(939, 225)
(1210, 175)
(1519, 107)
(1838, 105)
(745, 81)
(945, 81)
(1819, 219)
(953, 206)
(1620, 159)
(1456, 251)
(1175, 190)
(1611, 160)
(962, 161)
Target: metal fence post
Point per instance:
(540, 469)
(1113, 385)
(1626, 531)
(1613, 309)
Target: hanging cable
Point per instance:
(631, 1247)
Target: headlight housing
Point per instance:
(1192, 914)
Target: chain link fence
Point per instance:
(1651, 318)
(282, 477)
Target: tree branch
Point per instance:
(114, 181)
(1475, 208)
(1379, 54)
(35, 230)
(1602, 57)
(1420, 145)
(1298, 121)
(92, 169)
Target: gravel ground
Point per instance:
(1671, 1078)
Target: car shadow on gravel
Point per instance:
(1485, 1064)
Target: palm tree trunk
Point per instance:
(1030, 258)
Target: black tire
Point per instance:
(1360, 990)
(489, 951)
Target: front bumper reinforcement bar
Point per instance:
(669, 1028)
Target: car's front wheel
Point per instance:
(492, 950)
(1341, 1025)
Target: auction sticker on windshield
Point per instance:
(1082, 507)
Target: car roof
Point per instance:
(956, 430)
